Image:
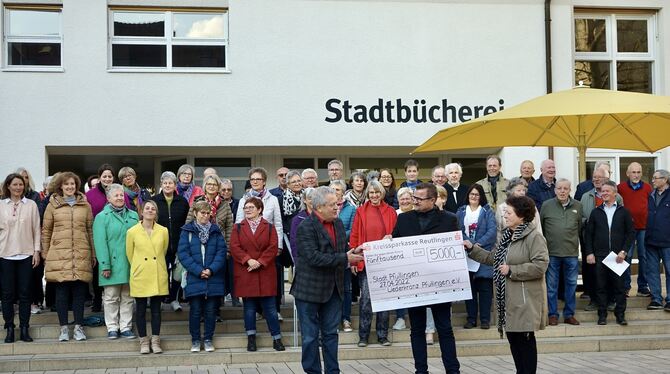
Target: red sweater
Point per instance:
(371, 223)
(636, 202)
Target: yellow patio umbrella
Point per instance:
(580, 117)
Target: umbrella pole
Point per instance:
(582, 163)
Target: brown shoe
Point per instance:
(553, 320)
(571, 321)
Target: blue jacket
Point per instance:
(658, 221)
(540, 192)
(347, 216)
(485, 235)
(191, 258)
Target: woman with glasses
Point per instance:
(186, 186)
(516, 187)
(137, 195)
(374, 220)
(388, 181)
(478, 224)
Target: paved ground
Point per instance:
(646, 362)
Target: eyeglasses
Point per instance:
(474, 194)
(334, 169)
(417, 198)
(295, 182)
(185, 173)
(256, 179)
(226, 189)
(385, 177)
(281, 175)
(249, 207)
(211, 185)
(655, 177)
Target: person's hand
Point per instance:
(36, 259)
(279, 252)
(504, 269)
(354, 270)
(106, 273)
(388, 237)
(467, 244)
(253, 265)
(590, 259)
(94, 261)
(620, 257)
(354, 257)
(205, 274)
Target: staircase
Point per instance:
(646, 330)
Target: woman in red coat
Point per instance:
(253, 245)
(374, 220)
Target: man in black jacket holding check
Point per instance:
(426, 218)
(609, 229)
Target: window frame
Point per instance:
(167, 40)
(611, 54)
(6, 39)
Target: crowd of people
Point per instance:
(124, 251)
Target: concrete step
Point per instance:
(131, 358)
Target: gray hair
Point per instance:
(168, 175)
(436, 167)
(516, 181)
(320, 196)
(112, 188)
(226, 181)
(308, 170)
(332, 162)
(373, 175)
(291, 174)
(404, 190)
(664, 174)
(610, 183)
(125, 171)
(307, 194)
(561, 180)
(375, 185)
(339, 183)
(601, 163)
(184, 168)
(453, 165)
(213, 177)
(31, 184)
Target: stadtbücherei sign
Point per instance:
(417, 270)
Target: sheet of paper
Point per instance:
(417, 270)
(473, 265)
(610, 262)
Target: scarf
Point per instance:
(132, 192)
(412, 184)
(215, 206)
(253, 223)
(498, 279)
(259, 194)
(120, 211)
(203, 231)
(355, 200)
(290, 202)
(185, 190)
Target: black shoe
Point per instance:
(469, 325)
(654, 306)
(667, 307)
(25, 335)
(622, 321)
(384, 341)
(251, 343)
(10, 335)
(278, 345)
(485, 326)
(602, 321)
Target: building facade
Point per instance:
(232, 84)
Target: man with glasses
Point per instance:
(438, 176)
(283, 184)
(309, 178)
(657, 241)
(426, 218)
(335, 170)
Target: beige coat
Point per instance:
(501, 195)
(67, 240)
(525, 288)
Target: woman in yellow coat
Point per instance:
(146, 246)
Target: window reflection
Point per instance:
(590, 35)
(595, 74)
(38, 54)
(632, 36)
(634, 76)
(198, 56)
(31, 22)
(138, 55)
(139, 24)
(198, 25)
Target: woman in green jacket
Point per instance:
(109, 235)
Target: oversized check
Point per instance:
(417, 270)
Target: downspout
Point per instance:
(547, 53)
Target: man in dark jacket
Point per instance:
(427, 219)
(609, 229)
(318, 286)
(542, 189)
(657, 241)
(456, 191)
(172, 212)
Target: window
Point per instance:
(615, 51)
(397, 166)
(32, 38)
(318, 164)
(173, 40)
(235, 169)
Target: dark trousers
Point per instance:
(50, 294)
(16, 276)
(588, 277)
(97, 290)
(141, 315)
(482, 298)
(64, 290)
(442, 317)
(37, 286)
(524, 351)
(175, 286)
(608, 281)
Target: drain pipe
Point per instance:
(547, 53)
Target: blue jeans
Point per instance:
(570, 267)
(482, 297)
(654, 257)
(642, 261)
(346, 303)
(199, 305)
(252, 305)
(323, 318)
(442, 316)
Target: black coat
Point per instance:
(461, 197)
(600, 239)
(320, 264)
(438, 221)
(173, 218)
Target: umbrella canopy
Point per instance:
(581, 117)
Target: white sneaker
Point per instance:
(209, 346)
(346, 326)
(64, 334)
(78, 333)
(34, 309)
(399, 324)
(195, 346)
(176, 307)
(279, 317)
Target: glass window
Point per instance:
(594, 74)
(634, 76)
(32, 37)
(632, 36)
(648, 167)
(168, 40)
(234, 168)
(590, 35)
